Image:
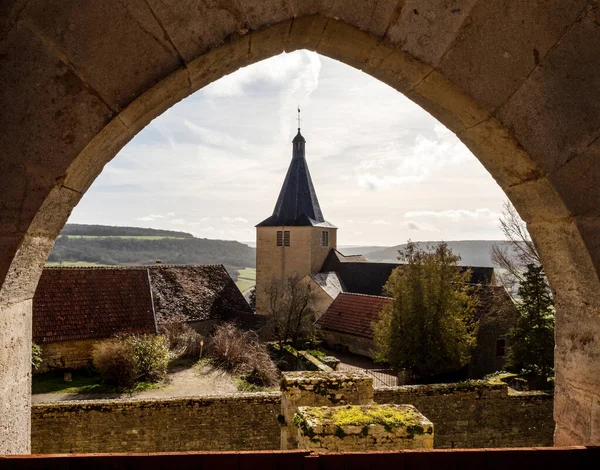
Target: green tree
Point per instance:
(430, 327)
(531, 347)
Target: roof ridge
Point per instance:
(131, 267)
(367, 295)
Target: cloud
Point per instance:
(235, 220)
(300, 69)
(420, 227)
(397, 163)
(178, 221)
(150, 217)
(381, 222)
(456, 214)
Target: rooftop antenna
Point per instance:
(299, 118)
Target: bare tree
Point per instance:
(518, 253)
(290, 308)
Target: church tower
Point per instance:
(296, 239)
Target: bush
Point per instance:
(151, 356)
(115, 362)
(182, 339)
(36, 356)
(242, 353)
(129, 359)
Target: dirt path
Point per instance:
(182, 381)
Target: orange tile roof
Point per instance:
(353, 313)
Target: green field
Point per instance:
(70, 264)
(246, 279)
(137, 237)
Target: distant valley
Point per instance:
(101, 245)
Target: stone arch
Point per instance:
(70, 103)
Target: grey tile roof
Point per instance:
(330, 283)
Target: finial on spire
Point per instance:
(299, 118)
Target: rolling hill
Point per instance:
(106, 245)
(472, 252)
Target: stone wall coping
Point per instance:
(91, 405)
(442, 389)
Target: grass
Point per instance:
(71, 264)
(82, 383)
(244, 386)
(246, 279)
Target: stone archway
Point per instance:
(517, 83)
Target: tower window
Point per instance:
(324, 238)
(283, 238)
(500, 347)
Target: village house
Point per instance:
(297, 242)
(75, 309)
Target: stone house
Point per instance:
(75, 309)
(347, 325)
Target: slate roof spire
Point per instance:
(297, 204)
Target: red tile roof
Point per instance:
(353, 313)
(88, 303)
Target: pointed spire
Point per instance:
(297, 204)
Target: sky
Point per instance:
(385, 171)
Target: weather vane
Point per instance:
(299, 118)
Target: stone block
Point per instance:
(301, 8)
(555, 113)
(119, 49)
(220, 61)
(346, 44)
(261, 13)
(15, 377)
(48, 113)
(492, 56)
(425, 29)
(581, 172)
(319, 389)
(447, 103)
(269, 42)
(500, 153)
(395, 68)
(306, 32)
(373, 17)
(537, 201)
(195, 26)
(569, 266)
(362, 428)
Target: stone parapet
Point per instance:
(319, 389)
(362, 428)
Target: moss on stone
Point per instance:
(356, 415)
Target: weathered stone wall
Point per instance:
(241, 422)
(467, 415)
(355, 344)
(67, 355)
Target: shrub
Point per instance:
(36, 356)
(128, 359)
(151, 356)
(115, 362)
(182, 339)
(242, 353)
